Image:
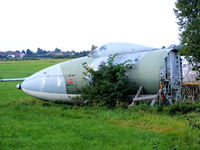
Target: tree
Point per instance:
(39, 51)
(188, 15)
(23, 52)
(108, 86)
(163, 47)
(93, 47)
(57, 50)
(29, 52)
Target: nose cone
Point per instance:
(45, 82)
(18, 86)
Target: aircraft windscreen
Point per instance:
(118, 48)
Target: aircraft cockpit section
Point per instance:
(98, 52)
(118, 48)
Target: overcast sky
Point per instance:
(77, 24)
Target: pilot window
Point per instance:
(93, 53)
(103, 48)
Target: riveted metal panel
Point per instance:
(73, 73)
(146, 72)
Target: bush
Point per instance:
(180, 108)
(183, 108)
(108, 86)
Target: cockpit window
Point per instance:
(118, 48)
(103, 48)
(96, 52)
(93, 53)
(136, 59)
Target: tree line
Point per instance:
(41, 53)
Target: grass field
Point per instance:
(27, 123)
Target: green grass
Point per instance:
(20, 69)
(27, 123)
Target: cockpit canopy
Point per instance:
(118, 48)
